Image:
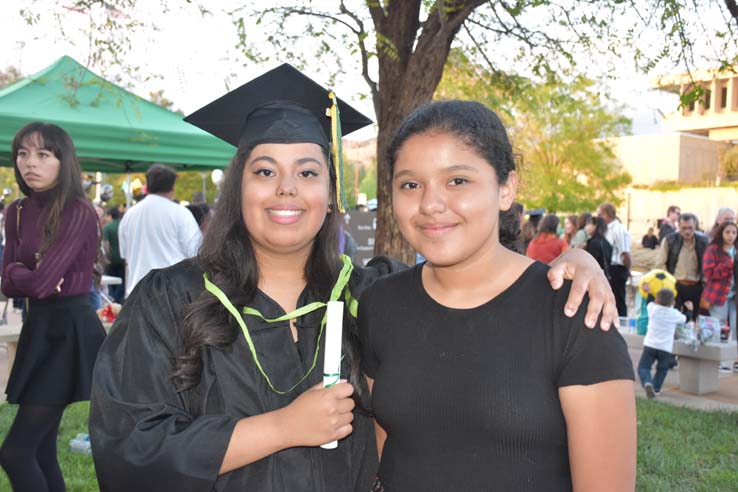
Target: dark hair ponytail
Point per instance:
(479, 128)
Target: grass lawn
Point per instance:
(79, 473)
(682, 450)
(679, 450)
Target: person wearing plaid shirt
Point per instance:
(720, 270)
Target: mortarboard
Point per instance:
(282, 106)
(535, 212)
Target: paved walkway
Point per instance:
(726, 398)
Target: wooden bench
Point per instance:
(698, 369)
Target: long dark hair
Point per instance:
(549, 225)
(227, 256)
(69, 183)
(583, 219)
(600, 225)
(717, 237)
(479, 128)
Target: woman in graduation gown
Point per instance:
(207, 381)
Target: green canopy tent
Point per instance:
(113, 129)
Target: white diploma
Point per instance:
(332, 360)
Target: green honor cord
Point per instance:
(341, 282)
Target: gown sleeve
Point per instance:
(143, 437)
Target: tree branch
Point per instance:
(454, 22)
(361, 35)
(286, 11)
(490, 65)
(732, 8)
(376, 10)
(359, 31)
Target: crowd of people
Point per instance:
(601, 234)
(207, 379)
(701, 261)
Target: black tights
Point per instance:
(28, 454)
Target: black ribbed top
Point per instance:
(469, 397)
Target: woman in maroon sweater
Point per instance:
(51, 244)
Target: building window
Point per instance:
(724, 97)
(708, 96)
(691, 105)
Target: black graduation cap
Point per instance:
(536, 212)
(281, 106)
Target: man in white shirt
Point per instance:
(156, 232)
(619, 238)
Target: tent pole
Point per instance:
(128, 192)
(98, 184)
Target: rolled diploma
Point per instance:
(332, 360)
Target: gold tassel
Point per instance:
(337, 152)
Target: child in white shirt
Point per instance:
(659, 341)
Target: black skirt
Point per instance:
(56, 352)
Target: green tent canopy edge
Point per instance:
(113, 129)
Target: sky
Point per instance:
(194, 62)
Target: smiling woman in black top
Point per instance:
(479, 381)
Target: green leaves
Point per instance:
(386, 47)
(556, 126)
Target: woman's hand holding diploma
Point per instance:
(319, 415)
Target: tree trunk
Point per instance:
(396, 104)
(420, 68)
(388, 240)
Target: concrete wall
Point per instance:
(668, 157)
(648, 158)
(647, 206)
(699, 158)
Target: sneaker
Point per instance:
(725, 368)
(650, 393)
(656, 393)
(735, 366)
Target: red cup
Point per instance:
(107, 313)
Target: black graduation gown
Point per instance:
(147, 437)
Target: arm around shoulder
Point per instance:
(587, 278)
